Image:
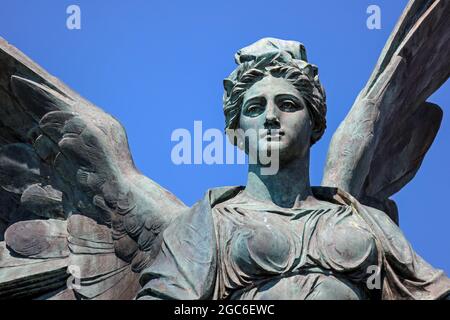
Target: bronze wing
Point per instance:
(380, 145)
(77, 219)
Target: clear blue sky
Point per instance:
(158, 66)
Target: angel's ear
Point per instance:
(38, 99)
(315, 134)
(316, 131)
(228, 86)
(236, 138)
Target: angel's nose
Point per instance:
(271, 120)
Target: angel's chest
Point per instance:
(270, 244)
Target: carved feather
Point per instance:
(382, 142)
(63, 158)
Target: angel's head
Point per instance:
(275, 92)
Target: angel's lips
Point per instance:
(274, 134)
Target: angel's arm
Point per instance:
(185, 268)
(406, 274)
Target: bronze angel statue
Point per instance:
(79, 221)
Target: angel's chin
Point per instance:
(272, 149)
(273, 145)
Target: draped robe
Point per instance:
(200, 258)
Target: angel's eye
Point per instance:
(288, 105)
(254, 110)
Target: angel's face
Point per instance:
(275, 109)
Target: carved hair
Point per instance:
(302, 75)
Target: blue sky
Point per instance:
(159, 65)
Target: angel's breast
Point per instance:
(334, 240)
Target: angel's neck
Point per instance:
(287, 188)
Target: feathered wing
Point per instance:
(71, 198)
(380, 145)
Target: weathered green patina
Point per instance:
(72, 200)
